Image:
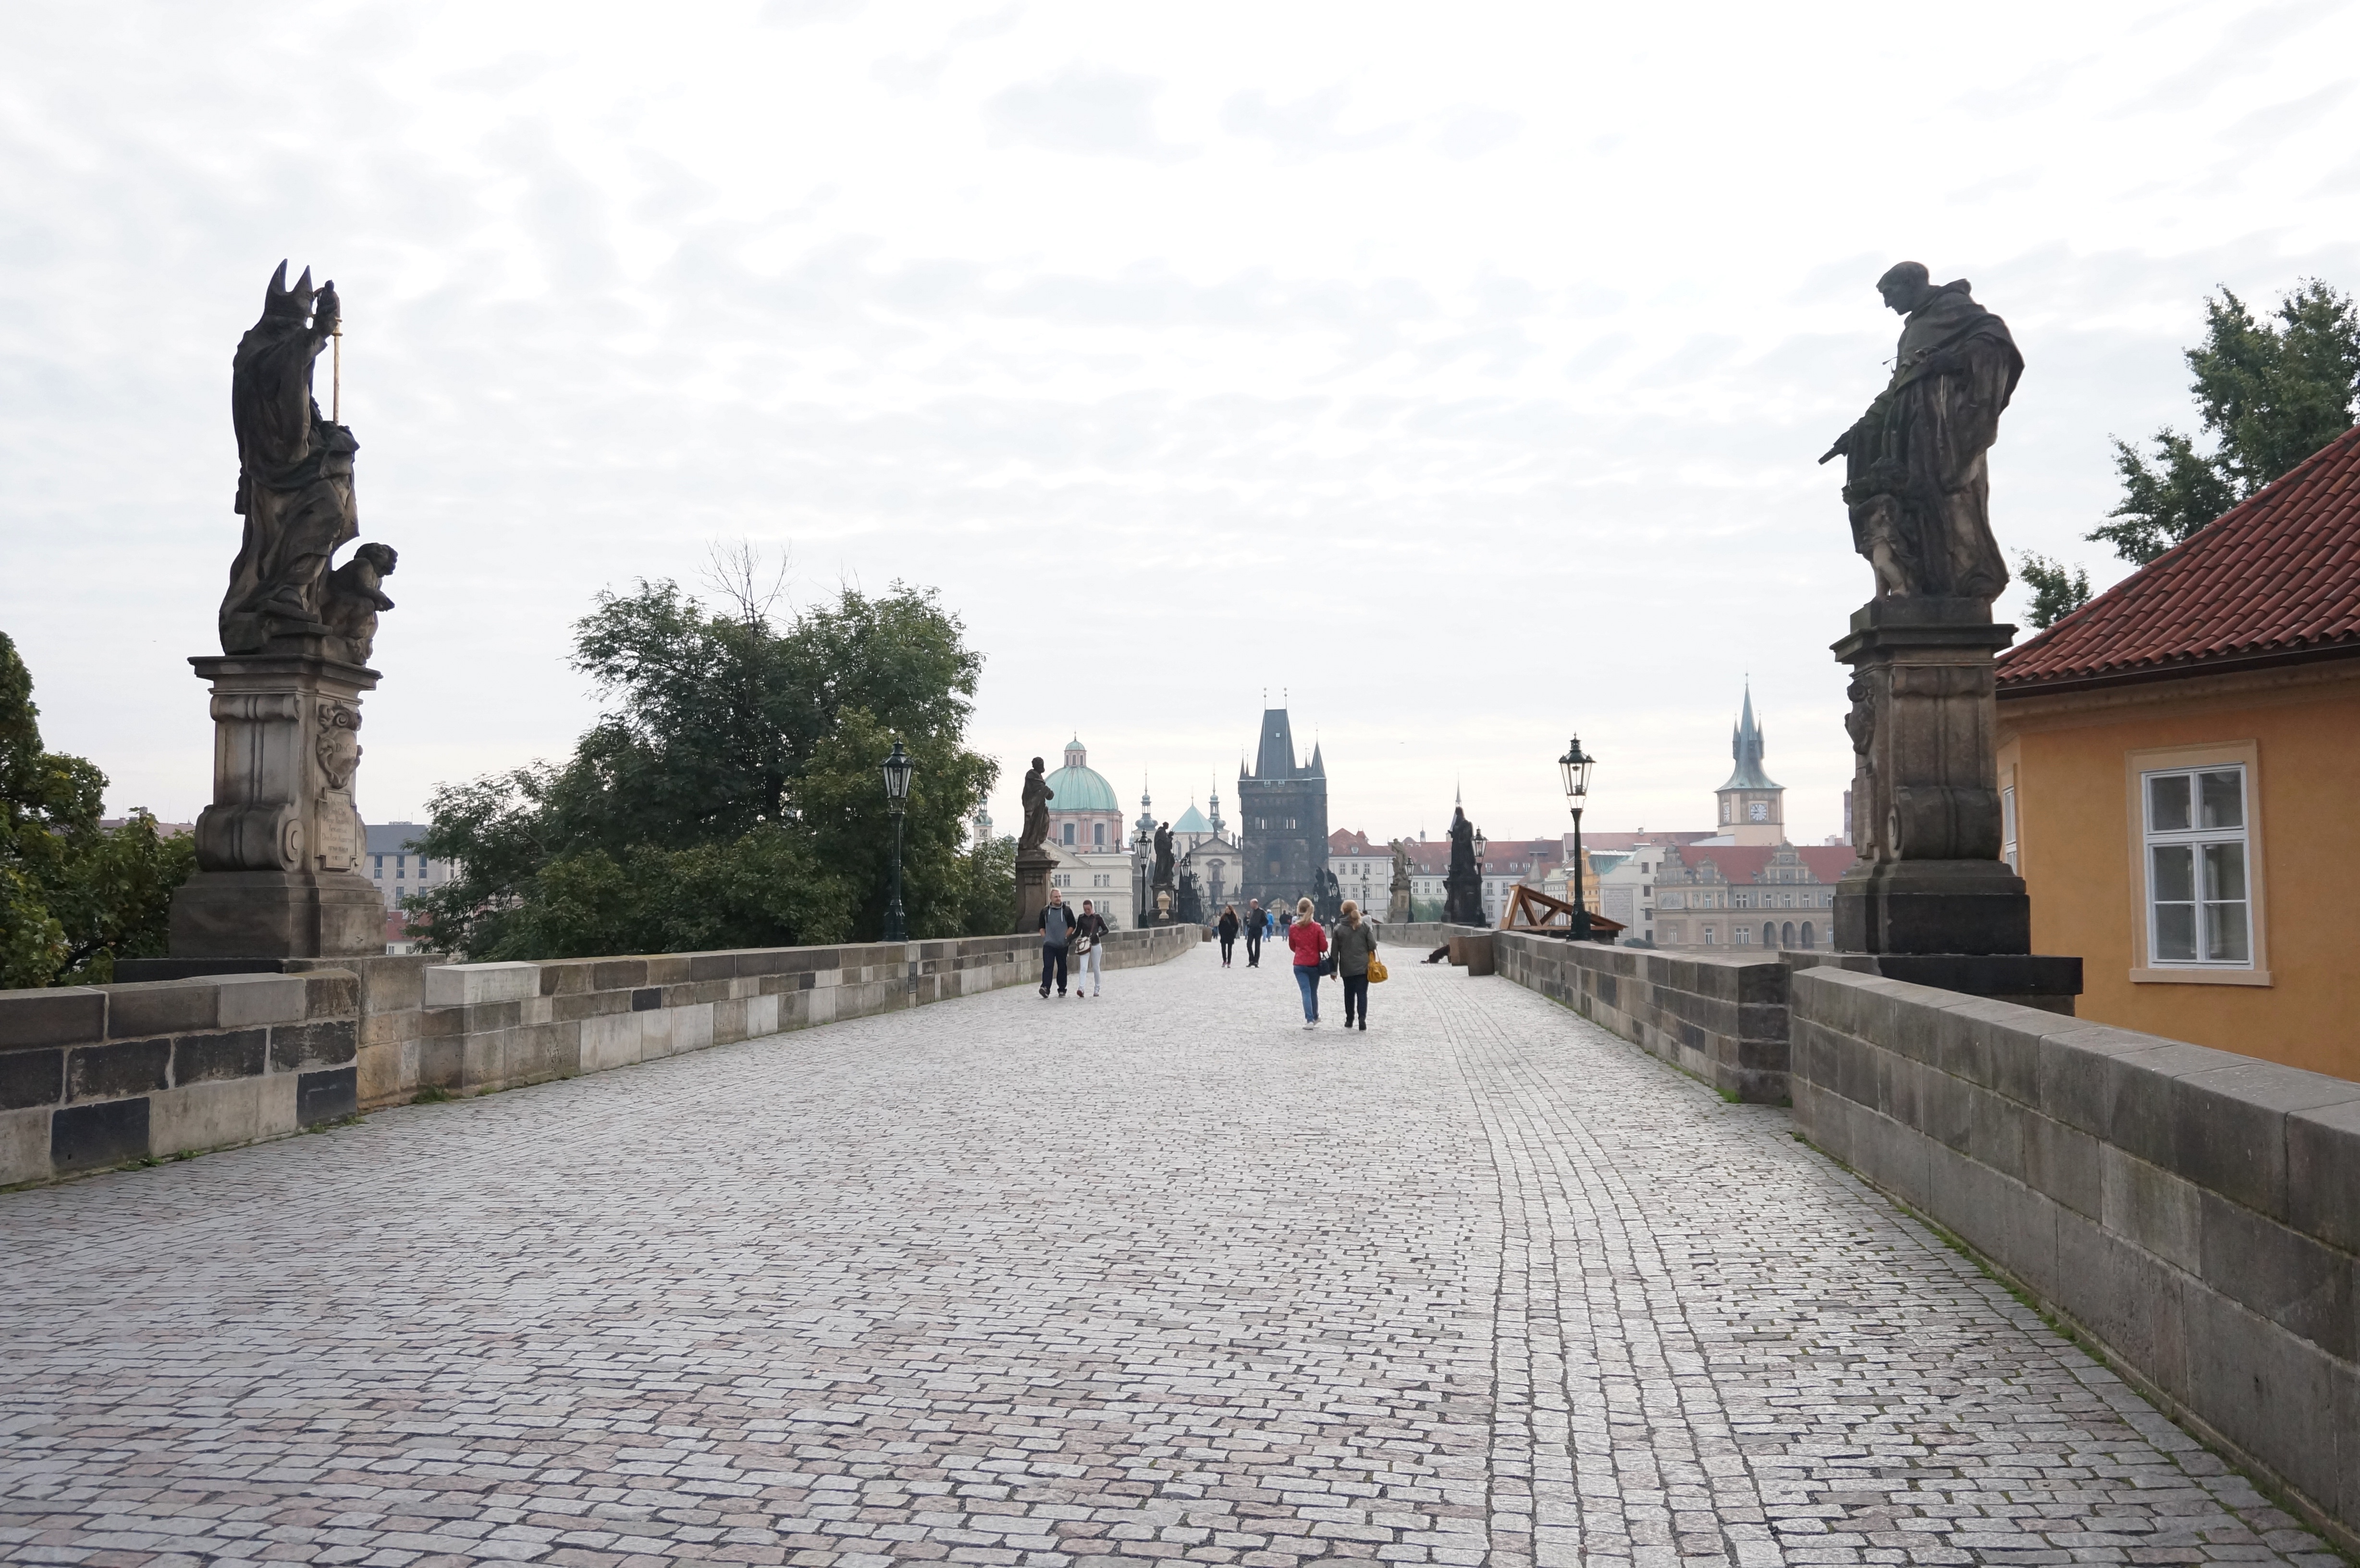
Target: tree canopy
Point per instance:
(74, 895)
(2269, 393)
(729, 796)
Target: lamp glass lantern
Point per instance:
(897, 767)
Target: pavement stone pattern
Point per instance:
(1156, 1276)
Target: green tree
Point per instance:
(2269, 394)
(2057, 591)
(74, 896)
(730, 795)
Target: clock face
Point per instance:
(1760, 811)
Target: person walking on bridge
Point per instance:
(1308, 941)
(1056, 932)
(1225, 928)
(1089, 938)
(1257, 923)
(1355, 943)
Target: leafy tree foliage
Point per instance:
(730, 797)
(2057, 591)
(2269, 393)
(74, 896)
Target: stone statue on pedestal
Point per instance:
(1929, 888)
(1397, 904)
(1462, 887)
(1033, 860)
(277, 849)
(1164, 854)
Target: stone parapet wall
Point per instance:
(1724, 1019)
(492, 1026)
(98, 1075)
(2195, 1213)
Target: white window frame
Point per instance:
(2140, 766)
(2007, 831)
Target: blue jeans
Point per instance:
(1307, 980)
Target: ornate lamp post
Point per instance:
(1576, 765)
(1479, 876)
(898, 769)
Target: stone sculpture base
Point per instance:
(1930, 902)
(1925, 813)
(279, 848)
(1932, 906)
(1032, 868)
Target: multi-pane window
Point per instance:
(2007, 828)
(2197, 909)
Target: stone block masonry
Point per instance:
(2194, 1213)
(1722, 1019)
(101, 1075)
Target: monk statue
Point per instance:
(1037, 796)
(1164, 854)
(295, 469)
(1915, 477)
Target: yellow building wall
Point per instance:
(2069, 759)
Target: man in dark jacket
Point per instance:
(1056, 932)
(1256, 918)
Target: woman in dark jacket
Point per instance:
(1355, 943)
(1226, 929)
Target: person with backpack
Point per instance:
(1355, 944)
(1308, 942)
(1225, 928)
(1056, 935)
(1090, 937)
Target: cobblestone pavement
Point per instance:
(1160, 1276)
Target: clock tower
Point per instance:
(1752, 809)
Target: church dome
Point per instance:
(1192, 820)
(1078, 787)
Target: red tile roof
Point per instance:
(2274, 579)
(1745, 862)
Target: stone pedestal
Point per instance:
(1929, 890)
(1032, 868)
(1926, 813)
(278, 851)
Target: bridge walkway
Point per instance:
(1159, 1276)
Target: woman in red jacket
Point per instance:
(1309, 943)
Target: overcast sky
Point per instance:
(1458, 369)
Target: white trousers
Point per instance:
(1089, 966)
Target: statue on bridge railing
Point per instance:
(1037, 796)
(1462, 888)
(1397, 904)
(1926, 801)
(1164, 854)
(1914, 473)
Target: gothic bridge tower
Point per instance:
(1283, 816)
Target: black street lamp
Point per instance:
(1482, 907)
(1574, 764)
(898, 769)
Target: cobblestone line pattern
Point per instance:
(1158, 1277)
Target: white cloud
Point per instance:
(1464, 376)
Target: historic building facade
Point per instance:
(1084, 814)
(1282, 817)
(1206, 847)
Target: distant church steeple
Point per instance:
(1753, 807)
